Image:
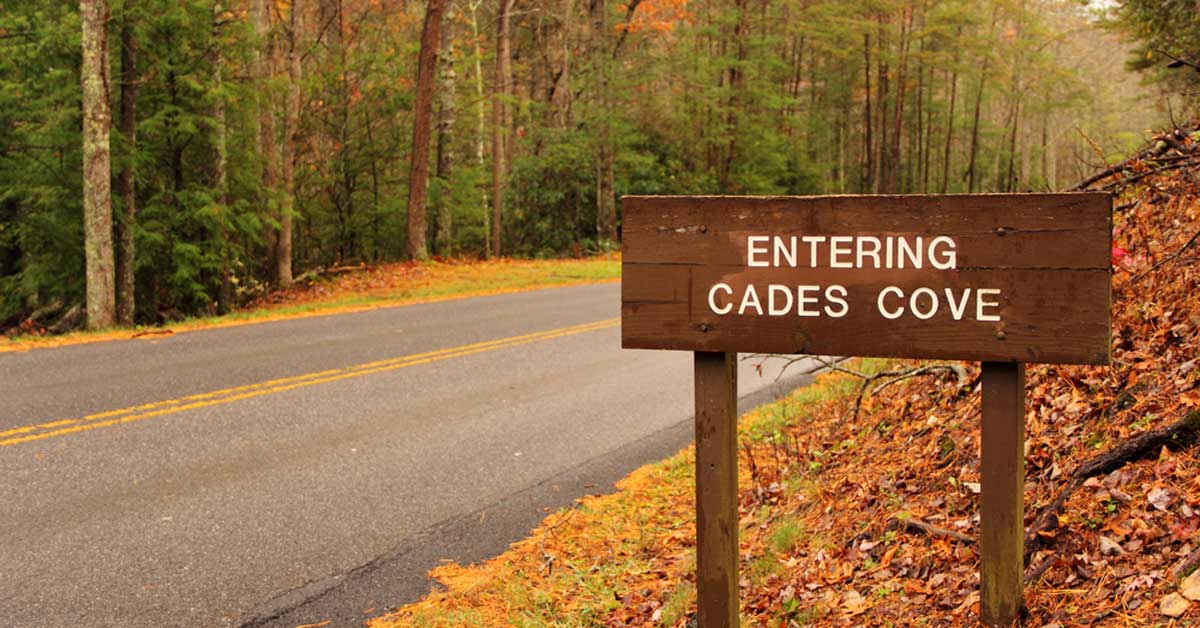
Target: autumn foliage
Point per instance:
(828, 492)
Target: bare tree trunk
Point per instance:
(291, 131)
(735, 103)
(950, 123)
(500, 91)
(561, 95)
(883, 86)
(894, 152)
(868, 140)
(1010, 182)
(97, 169)
(445, 141)
(418, 179)
(971, 167)
(220, 161)
(267, 147)
(606, 206)
(125, 187)
(971, 175)
(481, 125)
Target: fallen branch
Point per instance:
(1035, 572)
(1166, 260)
(822, 363)
(1139, 447)
(1148, 173)
(1155, 156)
(898, 376)
(152, 332)
(916, 525)
(1187, 565)
(548, 558)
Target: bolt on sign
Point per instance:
(1000, 278)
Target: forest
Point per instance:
(169, 158)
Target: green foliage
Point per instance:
(553, 194)
(787, 97)
(1165, 31)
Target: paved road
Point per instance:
(314, 469)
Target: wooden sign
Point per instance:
(1015, 278)
(1004, 279)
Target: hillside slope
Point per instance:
(866, 515)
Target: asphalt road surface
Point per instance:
(309, 470)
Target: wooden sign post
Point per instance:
(1003, 279)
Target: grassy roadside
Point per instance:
(387, 285)
(618, 555)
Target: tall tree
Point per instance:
(267, 144)
(480, 125)
(606, 208)
(125, 180)
(418, 180)
(447, 80)
(972, 169)
(220, 161)
(500, 95)
(950, 116)
(291, 132)
(97, 170)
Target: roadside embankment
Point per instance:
(859, 501)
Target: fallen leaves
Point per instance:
(839, 481)
(1173, 605)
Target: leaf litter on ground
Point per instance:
(867, 517)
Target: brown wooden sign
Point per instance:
(1004, 279)
(1007, 278)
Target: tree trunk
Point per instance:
(291, 131)
(971, 167)
(97, 170)
(561, 96)
(500, 90)
(125, 187)
(445, 141)
(950, 123)
(418, 179)
(1010, 183)
(606, 206)
(735, 103)
(971, 175)
(267, 147)
(868, 140)
(894, 153)
(481, 126)
(881, 101)
(220, 164)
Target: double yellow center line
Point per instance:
(51, 429)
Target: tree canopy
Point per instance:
(276, 135)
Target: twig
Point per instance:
(1035, 572)
(822, 362)
(547, 558)
(1177, 62)
(1159, 170)
(1166, 260)
(916, 525)
(1188, 564)
(899, 375)
(958, 371)
(1141, 446)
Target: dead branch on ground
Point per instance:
(1181, 433)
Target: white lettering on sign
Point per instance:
(887, 253)
(862, 252)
